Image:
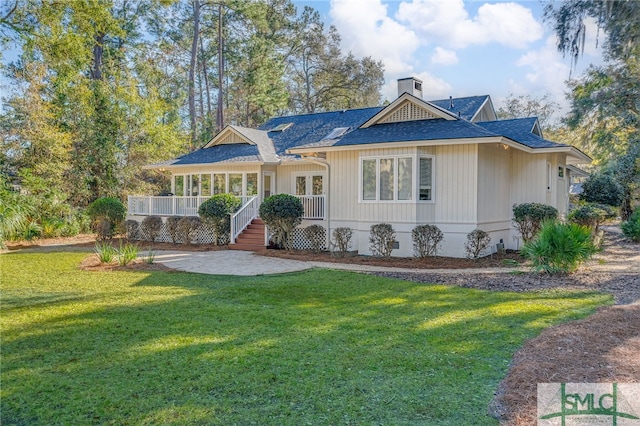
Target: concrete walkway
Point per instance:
(236, 262)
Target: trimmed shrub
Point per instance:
(172, 228)
(602, 188)
(426, 240)
(631, 228)
(342, 239)
(106, 211)
(316, 236)
(217, 211)
(528, 218)
(590, 215)
(187, 227)
(151, 227)
(382, 238)
(282, 213)
(477, 242)
(560, 248)
(132, 227)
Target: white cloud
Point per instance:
(547, 73)
(367, 30)
(508, 24)
(444, 57)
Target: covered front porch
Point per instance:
(172, 205)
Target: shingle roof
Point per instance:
(520, 130)
(467, 107)
(312, 128)
(419, 130)
(227, 153)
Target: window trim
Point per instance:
(187, 178)
(415, 178)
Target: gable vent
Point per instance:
(409, 112)
(281, 127)
(336, 133)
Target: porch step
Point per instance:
(252, 238)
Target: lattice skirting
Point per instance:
(204, 234)
(301, 242)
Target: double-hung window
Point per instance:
(396, 178)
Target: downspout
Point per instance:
(322, 162)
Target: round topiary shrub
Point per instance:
(282, 213)
(106, 213)
(591, 215)
(426, 239)
(477, 242)
(602, 188)
(217, 211)
(528, 218)
(315, 234)
(187, 228)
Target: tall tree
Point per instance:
(530, 106)
(606, 100)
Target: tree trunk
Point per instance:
(220, 112)
(206, 86)
(192, 72)
(98, 51)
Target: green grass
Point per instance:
(312, 348)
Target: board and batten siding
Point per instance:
(528, 178)
(494, 183)
(456, 183)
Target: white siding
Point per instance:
(456, 184)
(528, 177)
(494, 203)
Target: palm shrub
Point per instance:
(528, 218)
(151, 227)
(382, 239)
(342, 239)
(172, 228)
(15, 212)
(631, 228)
(426, 239)
(217, 211)
(316, 236)
(477, 242)
(560, 247)
(106, 213)
(282, 213)
(187, 227)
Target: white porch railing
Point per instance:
(243, 217)
(313, 206)
(167, 205)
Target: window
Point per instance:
(392, 179)
(561, 172)
(205, 185)
(252, 184)
(235, 184)
(219, 183)
(426, 176)
(179, 186)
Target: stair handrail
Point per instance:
(243, 217)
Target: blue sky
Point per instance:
(458, 48)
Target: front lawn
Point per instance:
(312, 348)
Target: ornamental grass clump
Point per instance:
(560, 247)
(282, 213)
(126, 254)
(105, 251)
